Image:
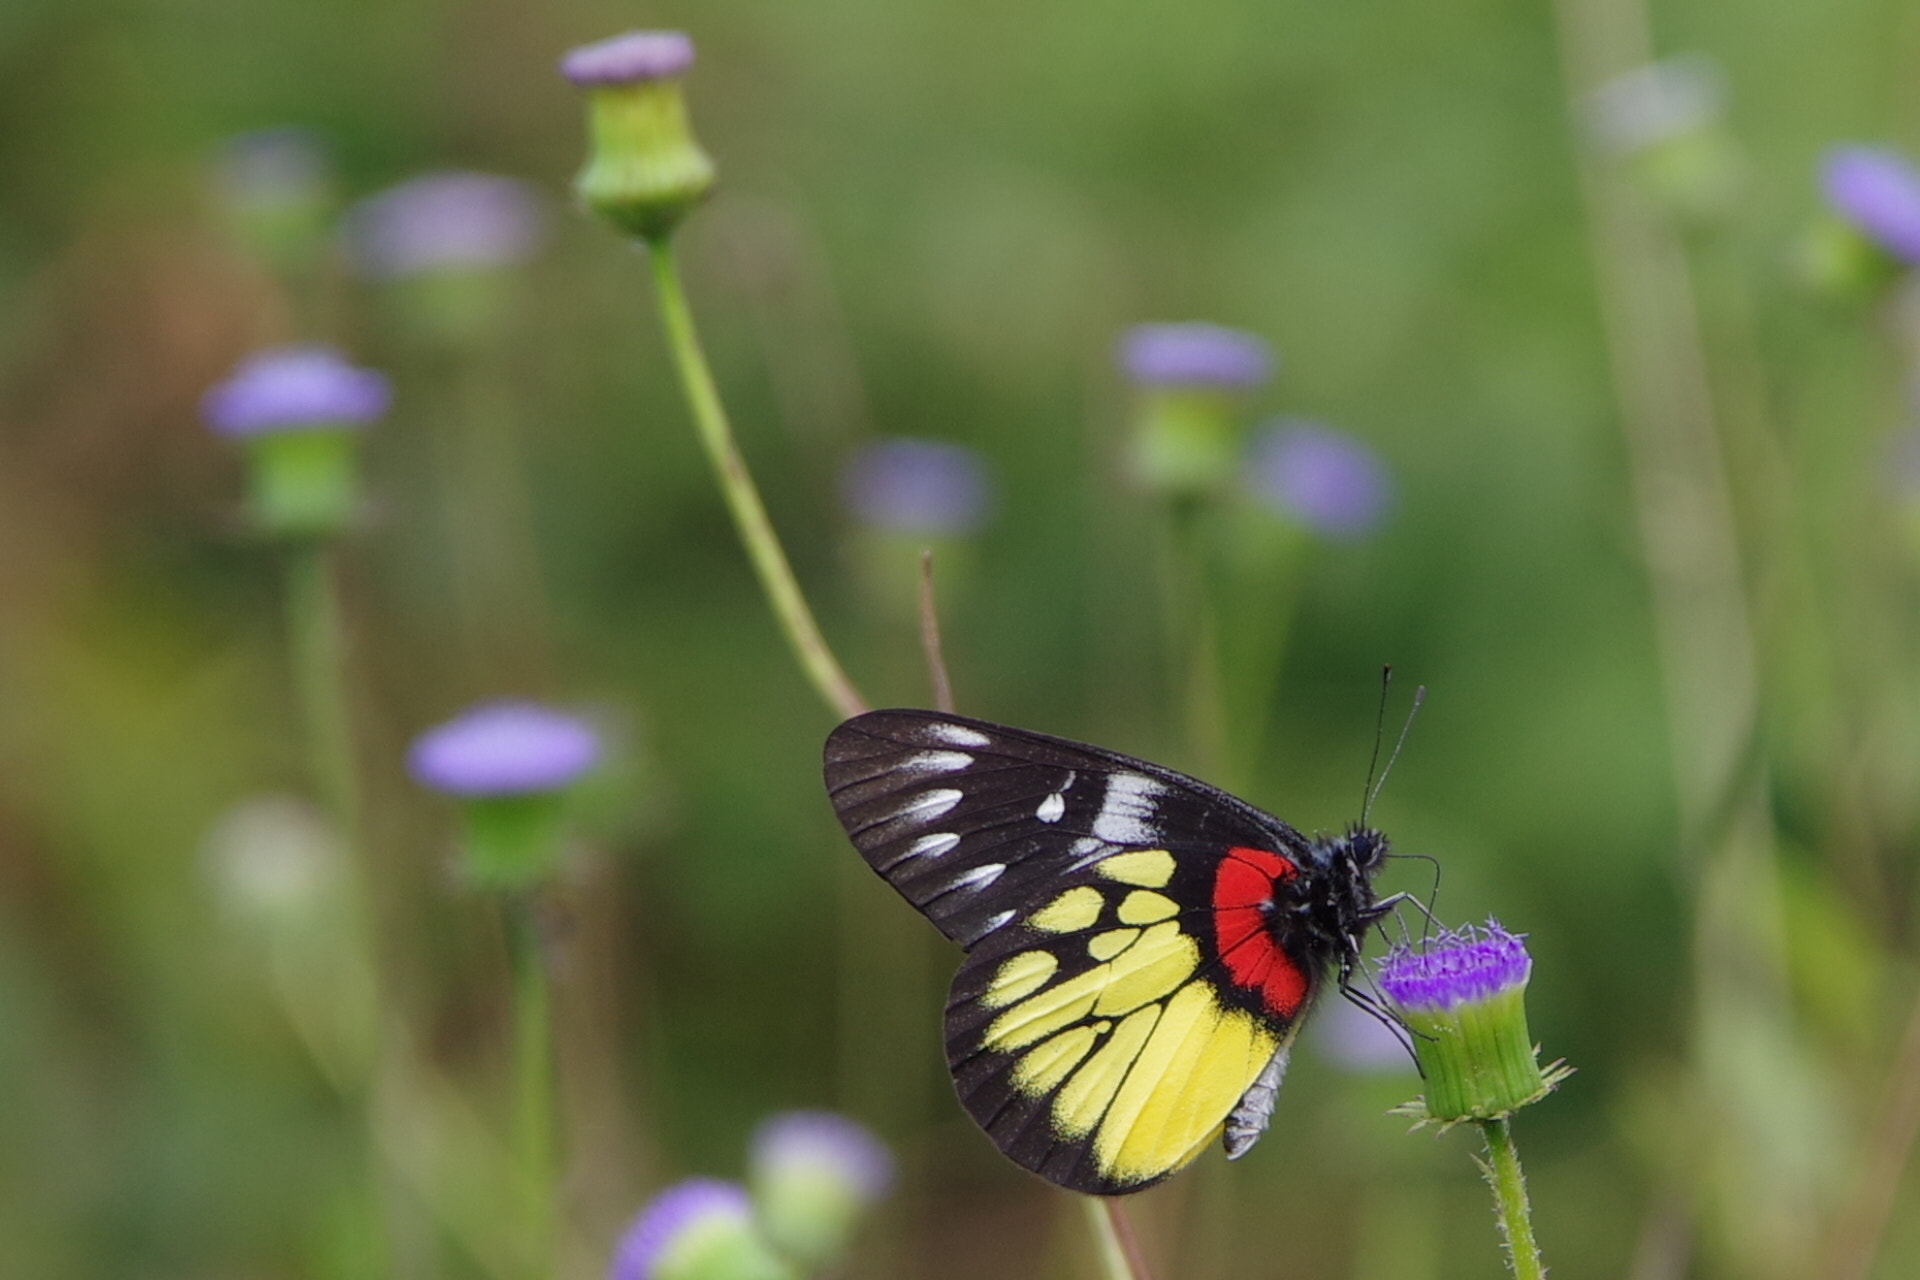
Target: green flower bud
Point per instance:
(700, 1229)
(813, 1174)
(1463, 998)
(644, 170)
(298, 412)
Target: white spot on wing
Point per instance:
(932, 846)
(1126, 811)
(928, 805)
(980, 877)
(936, 761)
(997, 919)
(957, 735)
(1052, 809)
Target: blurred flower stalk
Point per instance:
(1243, 513)
(509, 765)
(643, 174)
(447, 253)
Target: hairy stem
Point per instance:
(1510, 1206)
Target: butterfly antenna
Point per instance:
(1373, 788)
(1379, 733)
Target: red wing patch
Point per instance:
(1242, 885)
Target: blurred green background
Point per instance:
(1646, 558)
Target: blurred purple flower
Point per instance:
(441, 221)
(918, 486)
(622, 59)
(504, 749)
(272, 169)
(1357, 1041)
(1876, 190)
(1323, 478)
(290, 388)
(1460, 967)
(825, 1143)
(1194, 355)
(669, 1216)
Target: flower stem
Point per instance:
(1510, 1206)
(1119, 1251)
(316, 635)
(743, 499)
(533, 1085)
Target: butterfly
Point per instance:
(1141, 947)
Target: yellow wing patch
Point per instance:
(1084, 1098)
(1158, 961)
(1143, 907)
(1187, 1076)
(1150, 868)
(1136, 1057)
(1019, 976)
(1072, 911)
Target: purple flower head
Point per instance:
(504, 749)
(822, 1142)
(1194, 355)
(624, 59)
(441, 221)
(1323, 478)
(1877, 191)
(670, 1216)
(272, 169)
(918, 486)
(1459, 967)
(288, 388)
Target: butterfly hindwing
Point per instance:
(1125, 986)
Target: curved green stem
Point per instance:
(1510, 1206)
(743, 499)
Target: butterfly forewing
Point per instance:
(1122, 988)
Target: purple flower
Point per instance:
(623, 59)
(504, 749)
(1460, 967)
(290, 388)
(1877, 191)
(821, 1143)
(272, 169)
(1325, 479)
(918, 486)
(441, 221)
(1194, 355)
(1355, 1040)
(684, 1209)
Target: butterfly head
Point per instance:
(1343, 905)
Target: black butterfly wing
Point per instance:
(1122, 991)
(968, 819)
